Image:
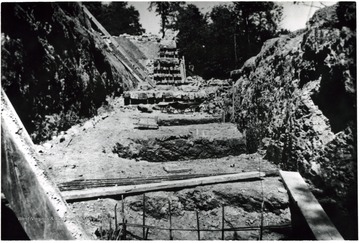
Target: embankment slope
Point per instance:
(297, 100)
(55, 68)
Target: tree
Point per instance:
(168, 12)
(222, 47)
(193, 36)
(117, 17)
(259, 22)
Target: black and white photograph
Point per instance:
(179, 120)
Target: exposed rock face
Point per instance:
(297, 100)
(55, 68)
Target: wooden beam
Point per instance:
(109, 182)
(112, 191)
(25, 183)
(305, 202)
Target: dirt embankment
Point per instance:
(55, 69)
(297, 100)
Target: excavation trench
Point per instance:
(202, 149)
(190, 146)
(242, 209)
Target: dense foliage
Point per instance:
(117, 17)
(222, 40)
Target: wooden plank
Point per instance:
(31, 194)
(109, 182)
(315, 216)
(112, 191)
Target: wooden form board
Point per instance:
(122, 190)
(315, 216)
(31, 194)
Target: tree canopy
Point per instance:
(168, 12)
(193, 36)
(214, 43)
(117, 17)
(225, 38)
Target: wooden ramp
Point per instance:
(166, 185)
(31, 194)
(306, 212)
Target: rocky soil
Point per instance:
(297, 100)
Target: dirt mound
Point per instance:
(297, 100)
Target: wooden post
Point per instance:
(110, 221)
(261, 220)
(116, 224)
(109, 232)
(170, 231)
(233, 102)
(222, 223)
(147, 233)
(125, 229)
(144, 231)
(123, 237)
(198, 224)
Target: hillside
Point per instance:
(56, 69)
(297, 101)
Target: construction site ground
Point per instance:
(86, 151)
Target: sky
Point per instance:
(295, 16)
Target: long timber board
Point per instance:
(34, 198)
(315, 216)
(114, 191)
